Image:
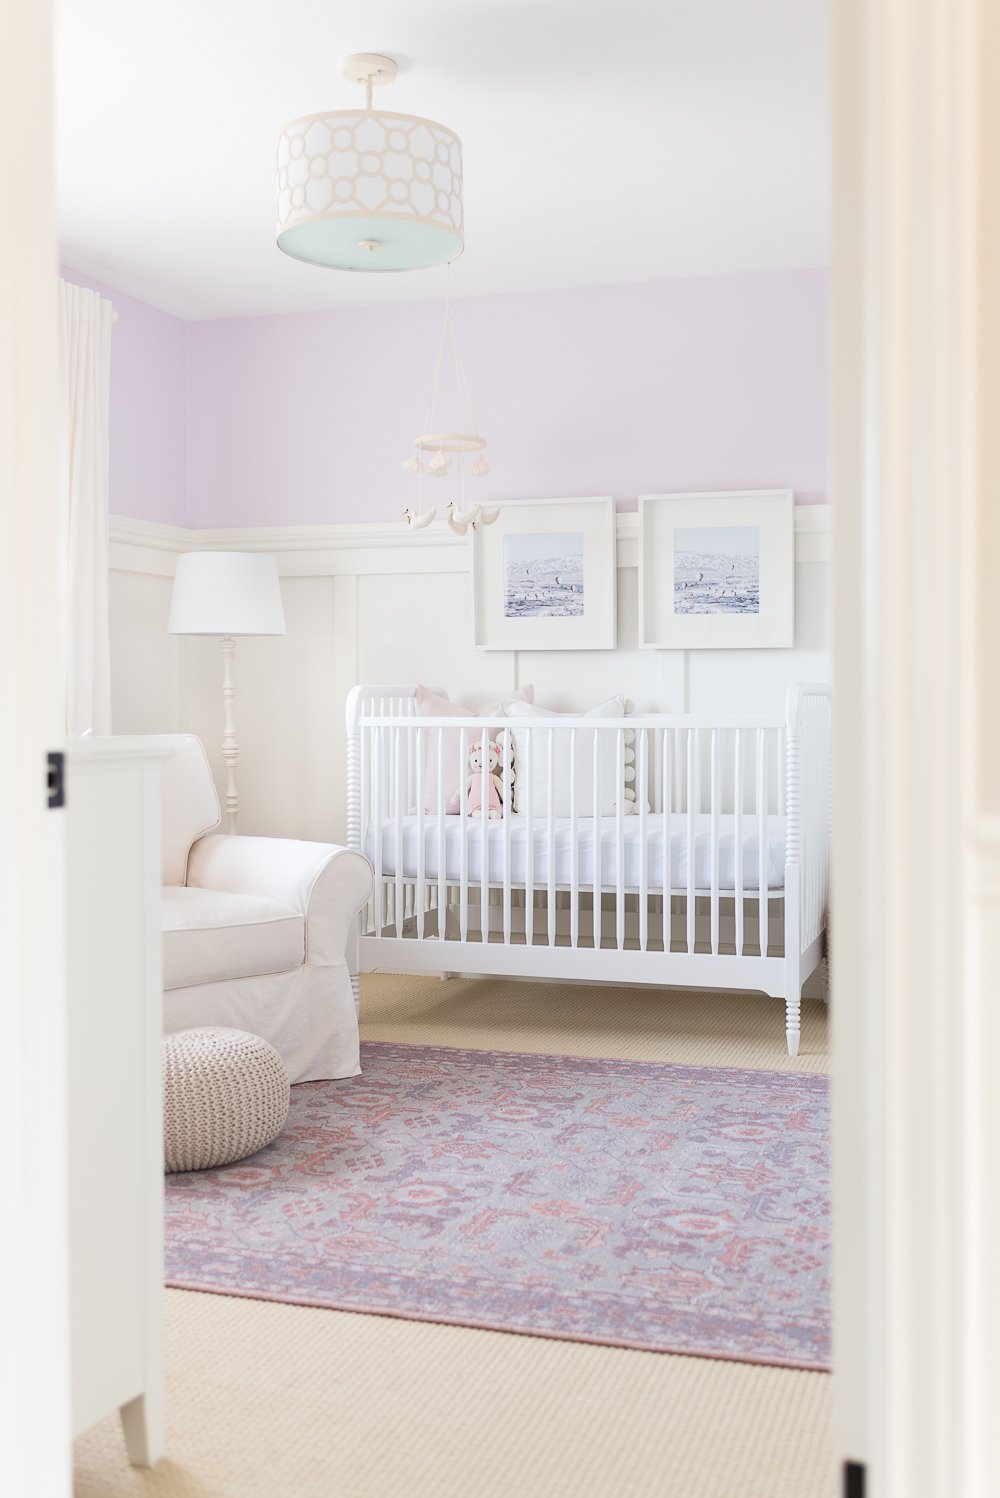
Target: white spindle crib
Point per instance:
(714, 876)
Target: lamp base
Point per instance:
(230, 747)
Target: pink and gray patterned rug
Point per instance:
(668, 1208)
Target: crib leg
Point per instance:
(793, 959)
(793, 1003)
(792, 1006)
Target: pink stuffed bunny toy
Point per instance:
(494, 804)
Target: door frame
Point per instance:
(916, 875)
(35, 1420)
(916, 878)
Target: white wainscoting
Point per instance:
(374, 603)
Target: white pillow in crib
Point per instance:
(608, 788)
(428, 704)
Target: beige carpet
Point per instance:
(273, 1401)
(701, 1028)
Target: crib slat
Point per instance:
(414, 764)
(390, 783)
(598, 872)
(529, 834)
(620, 838)
(738, 839)
(550, 894)
(409, 888)
(421, 890)
(484, 855)
(805, 824)
(399, 910)
(817, 777)
(641, 782)
(810, 821)
(508, 810)
(574, 876)
(807, 750)
(812, 758)
(366, 810)
(699, 802)
(665, 807)
(714, 850)
(377, 892)
(463, 814)
(762, 839)
(442, 883)
(692, 754)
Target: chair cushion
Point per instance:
(190, 804)
(210, 935)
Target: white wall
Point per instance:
(374, 603)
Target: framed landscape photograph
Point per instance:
(717, 571)
(543, 576)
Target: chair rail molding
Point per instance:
(302, 550)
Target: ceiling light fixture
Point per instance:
(363, 189)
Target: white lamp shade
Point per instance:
(367, 190)
(226, 593)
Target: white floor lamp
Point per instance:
(226, 593)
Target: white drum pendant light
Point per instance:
(362, 189)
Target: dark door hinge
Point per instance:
(854, 1480)
(56, 779)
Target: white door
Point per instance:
(34, 1346)
(916, 880)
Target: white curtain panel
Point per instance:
(86, 320)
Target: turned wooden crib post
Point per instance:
(793, 869)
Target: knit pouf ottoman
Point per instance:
(225, 1095)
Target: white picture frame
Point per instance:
(717, 570)
(544, 576)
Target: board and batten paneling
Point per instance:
(372, 603)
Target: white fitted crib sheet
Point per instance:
(655, 843)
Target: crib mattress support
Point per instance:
(606, 965)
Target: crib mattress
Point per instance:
(654, 845)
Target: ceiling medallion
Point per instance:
(367, 190)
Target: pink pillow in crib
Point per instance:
(428, 704)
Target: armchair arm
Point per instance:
(327, 883)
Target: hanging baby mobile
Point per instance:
(449, 451)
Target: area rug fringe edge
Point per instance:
(471, 1324)
(693, 1067)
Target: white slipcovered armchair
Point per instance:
(258, 932)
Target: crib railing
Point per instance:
(807, 775)
(693, 778)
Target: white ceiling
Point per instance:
(604, 140)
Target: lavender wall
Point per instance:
(148, 420)
(711, 383)
(305, 418)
